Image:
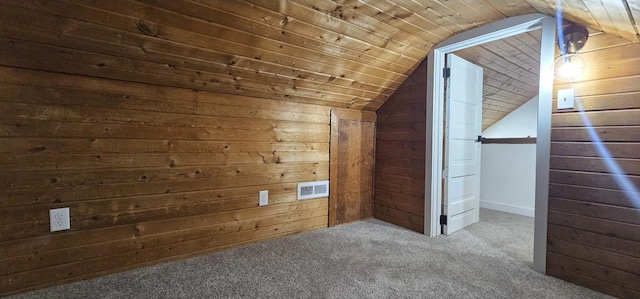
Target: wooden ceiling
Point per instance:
(341, 53)
(511, 69)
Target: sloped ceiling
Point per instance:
(341, 53)
(511, 73)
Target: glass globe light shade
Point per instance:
(568, 67)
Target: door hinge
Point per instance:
(443, 219)
(444, 173)
(446, 72)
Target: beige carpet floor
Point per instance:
(368, 259)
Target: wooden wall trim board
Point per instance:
(400, 154)
(594, 223)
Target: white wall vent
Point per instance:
(310, 190)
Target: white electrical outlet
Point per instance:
(264, 198)
(59, 219)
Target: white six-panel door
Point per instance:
(462, 150)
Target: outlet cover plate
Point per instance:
(59, 219)
(566, 98)
(264, 198)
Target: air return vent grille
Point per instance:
(310, 190)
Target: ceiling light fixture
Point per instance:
(569, 65)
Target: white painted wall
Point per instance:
(508, 171)
(521, 122)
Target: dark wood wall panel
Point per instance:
(594, 221)
(400, 154)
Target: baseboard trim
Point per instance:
(530, 212)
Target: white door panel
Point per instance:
(462, 194)
(462, 152)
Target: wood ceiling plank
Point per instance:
(491, 112)
(573, 10)
(612, 17)
(493, 61)
(477, 11)
(514, 55)
(502, 102)
(505, 80)
(224, 34)
(264, 22)
(355, 17)
(190, 38)
(287, 23)
(400, 18)
(510, 87)
(528, 42)
(437, 12)
(352, 52)
(489, 105)
(621, 18)
(472, 12)
(577, 12)
(205, 42)
(490, 91)
(543, 6)
(204, 67)
(511, 7)
(505, 105)
(338, 25)
(123, 32)
(491, 116)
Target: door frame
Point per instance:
(435, 131)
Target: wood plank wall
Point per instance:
(400, 154)
(594, 227)
(152, 168)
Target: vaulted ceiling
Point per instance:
(341, 53)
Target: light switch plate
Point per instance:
(264, 198)
(59, 219)
(566, 98)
